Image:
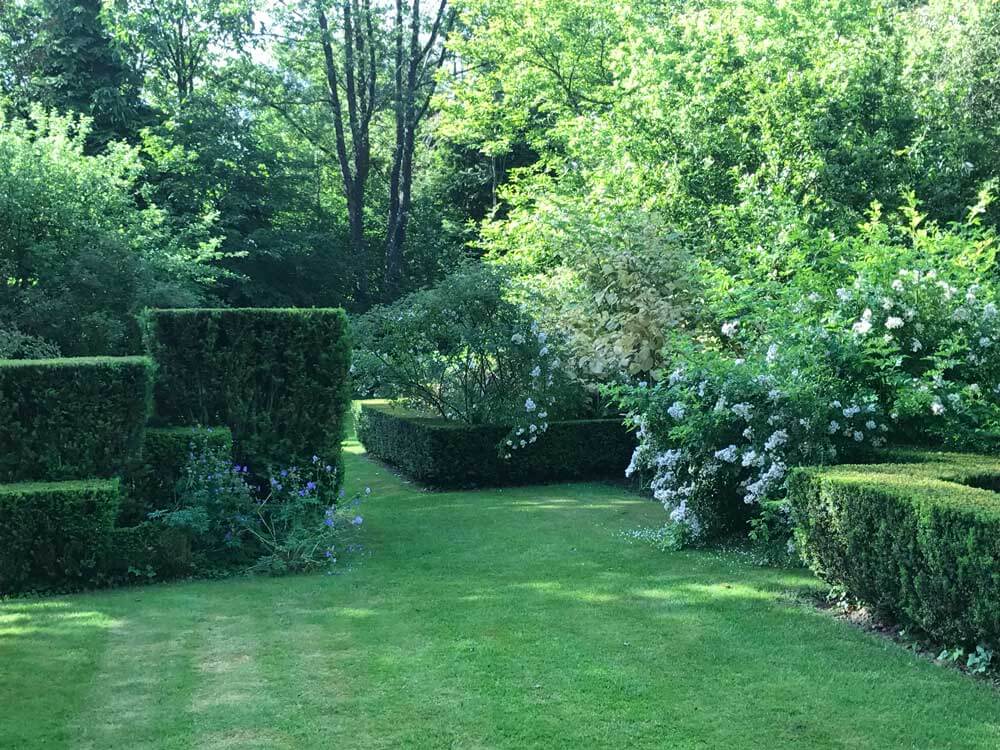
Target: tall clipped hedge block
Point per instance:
(151, 482)
(71, 418)
(55, 535)
(441, 453)
(278, 378)
(919, 541)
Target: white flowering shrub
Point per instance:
(463, 351)
(930, 345)
(893, 337)
(719, 434)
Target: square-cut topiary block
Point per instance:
(71, 418)
(55, 535)
(278, 378)
(440, 453)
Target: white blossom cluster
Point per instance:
(533, 422)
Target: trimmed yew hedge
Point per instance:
(440, 453)
(71, 418)
(919, 540)
(278, 378)
(55, 535)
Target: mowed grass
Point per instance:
(493, 619)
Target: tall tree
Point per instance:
(367, 61)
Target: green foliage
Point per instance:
(150, 483)
(54, 535)
(918, 540)
(71, 418)
(60, 55)
(465, 352)
(444, 453)
(278, 378)
(78, 256)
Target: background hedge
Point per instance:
(449, 454)
(278, 378)
(151, 481)
(56, 534)
(919, 541)
(71, 418)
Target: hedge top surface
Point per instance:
(72, 485)
(436, 422)
(77, 362)
(175, 311)
(949, 479)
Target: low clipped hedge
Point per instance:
(918, 539)
(278, 378)
(151, 482)
(440, 453)
(71, 418)
(55, 535)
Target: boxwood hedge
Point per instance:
(71, 418)
(278, 378)
(919, 539)
(440, 453)
(55, 535)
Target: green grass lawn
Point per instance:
(514, 618)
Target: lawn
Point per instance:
(514, 618)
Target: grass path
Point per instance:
(494, 619)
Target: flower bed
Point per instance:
(918, 540)
(440, 453)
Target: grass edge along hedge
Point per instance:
(55, 535)
(70, 418)
(277, 377)
(446, 454)
(919, 540)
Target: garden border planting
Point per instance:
(447, 454)
(918, 540)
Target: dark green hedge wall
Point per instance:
(919, 541)
(447, 454)
(151, 481)
(278, 378)
(55, 535)
(71, 418)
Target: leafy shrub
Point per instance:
(463, 351)
(450, 454)
(919, 541)
(71, 418)
(151, 482)
(78, 255)
(278, 378)
(55, 535)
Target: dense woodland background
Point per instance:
(628, 164)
